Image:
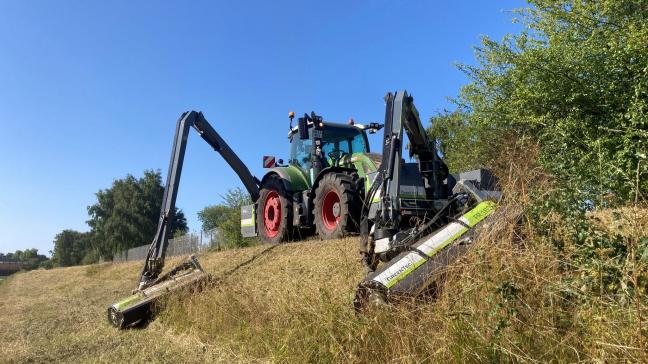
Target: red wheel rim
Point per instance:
(331, 210)
(272, 214)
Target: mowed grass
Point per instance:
(508, 299)
(60, 314)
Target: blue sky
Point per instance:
(90, 91)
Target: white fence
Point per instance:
(182, 245)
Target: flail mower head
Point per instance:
(140, 306)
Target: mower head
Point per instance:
(139, 307)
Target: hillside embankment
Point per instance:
(508, 299)
(60, 314)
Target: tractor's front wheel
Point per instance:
(274, 212)
(336, 206)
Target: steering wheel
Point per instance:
(336, 156)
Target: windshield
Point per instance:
(342, 140)
(347, 140)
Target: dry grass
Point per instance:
(506, 300)
(628, 222)
(60, 316)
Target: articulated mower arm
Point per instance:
(157, 252)
(401, 114)
(416, 252)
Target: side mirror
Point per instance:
(302, 125)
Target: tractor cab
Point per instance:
(337, 143)
(317, 145)
(321, 187)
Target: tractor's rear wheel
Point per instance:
(336, 206)
(274, 212)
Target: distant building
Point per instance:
(8, 267)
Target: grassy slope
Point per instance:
(59, 315)
(507, 300)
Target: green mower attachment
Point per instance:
(140, 306)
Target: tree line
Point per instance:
(29, 259)
(126, 216)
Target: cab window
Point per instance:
(346, 140)
(300, 152)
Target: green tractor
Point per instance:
(322, 186)
(414, 217)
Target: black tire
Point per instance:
(274, 229)
(336, 206)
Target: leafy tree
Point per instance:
(46, 264)
(227, 216)
(126, 215)
(29, 258)
(213, 216)
(70, 247)
(463, 145)
(576, 82)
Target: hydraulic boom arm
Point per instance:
(416, 251)
(401, 114)
(191, 119)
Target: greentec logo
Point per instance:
(434, 243)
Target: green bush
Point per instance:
(227, 217)
(574, 81)
(560, 112)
